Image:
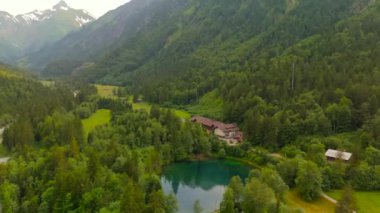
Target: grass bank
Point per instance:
(209, 105)
(242, 160)
(321, 205)
(106, 91)
(368, 202)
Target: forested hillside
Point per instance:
(97, 39)
(298, 76)
(195, 44)
(304, 67)
(55, 167)
(22, 96)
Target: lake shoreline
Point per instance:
(205, 157)
(202, 178)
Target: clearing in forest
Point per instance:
(99, 118)
(321, 206)
(367, 202)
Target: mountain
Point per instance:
(102, 36)
(26, 33)
(298, 77)
(156, 37)
(174, 51)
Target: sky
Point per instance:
(96, 7)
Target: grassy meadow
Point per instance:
(100, 117)
(8, 74)
(368, 202)
(47, 83)
(320, 206)
(106, 91)
(210, 105)
(146, 106)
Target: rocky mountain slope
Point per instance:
(100, 37)
(27, 33)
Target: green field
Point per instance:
(141, 106)
(8, 74)
(106, 91)
(146, 106)
(210, 105)
(47, 83)
(320, 206)
(368, 202)
(100, 117)
(182, 114)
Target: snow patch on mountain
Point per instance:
(61, 6)
(64, 8)
(30, 17)
(81, 16)
(82, 21)
(38, 12)
(35, 16)
(4, 16)
(87, 13)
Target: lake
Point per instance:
(205, 181)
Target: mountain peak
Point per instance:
(62, 5)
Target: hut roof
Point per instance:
(338, 154)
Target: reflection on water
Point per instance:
(200, 180)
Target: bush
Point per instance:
(222, 153)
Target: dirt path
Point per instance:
(277, 156)
(1, 134)
(4, 160)
(332, 200)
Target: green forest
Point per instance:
(299, 77)
(56, 167)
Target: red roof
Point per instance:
(215, 124)
(204, 121)
(239, 136)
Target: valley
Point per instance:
(166, 106)
(293, 199)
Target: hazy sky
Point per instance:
(95, 7)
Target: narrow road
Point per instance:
(2, 159)
(332, 200)
(277, 156)
(1, 134)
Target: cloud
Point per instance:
(95, 7)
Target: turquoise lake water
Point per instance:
(205, 181)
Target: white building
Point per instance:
(332, 155)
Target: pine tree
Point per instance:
(347, 203)
(228, 205)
